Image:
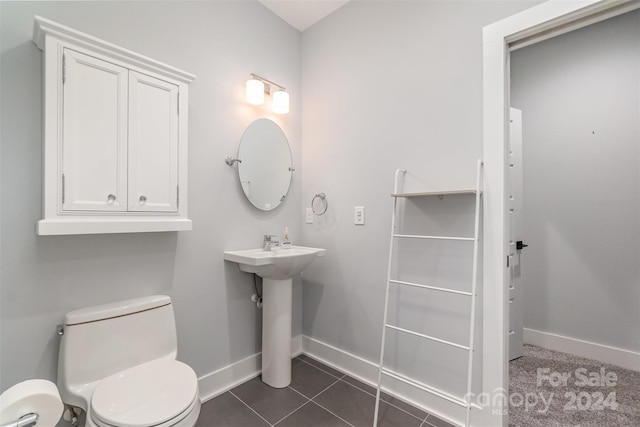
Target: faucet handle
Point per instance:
(270, 241)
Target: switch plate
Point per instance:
(309, 216)
(358, 215)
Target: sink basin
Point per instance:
(277, 264)
(276, 267)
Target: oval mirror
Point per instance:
(265, 170)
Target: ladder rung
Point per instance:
(424, 387)
(418, 334)
(418, 236)
(433, 288)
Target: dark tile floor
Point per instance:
(319, 396)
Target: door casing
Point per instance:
(533, 25)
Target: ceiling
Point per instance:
(302, 14)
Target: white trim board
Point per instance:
(224, 379)
(228, 377)
(367, 372)
(600, 352)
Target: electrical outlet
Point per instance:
(309, 216)
(358, 215)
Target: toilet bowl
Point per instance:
(118, 364)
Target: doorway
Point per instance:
(541, 22)
(581, 97)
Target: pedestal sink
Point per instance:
(277, 268)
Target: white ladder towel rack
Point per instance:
(461, 401)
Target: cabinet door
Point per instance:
(94, 148)
(153, 144)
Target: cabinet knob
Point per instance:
(111, 198)
(143, 199)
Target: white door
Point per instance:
(153, 144)
(94, 154)
(516, 291)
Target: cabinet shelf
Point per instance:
(57, 227)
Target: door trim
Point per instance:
(539, 23)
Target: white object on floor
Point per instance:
(38, 397)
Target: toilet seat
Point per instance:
(158, 393)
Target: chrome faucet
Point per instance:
(270, 241)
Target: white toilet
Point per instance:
(118, 363)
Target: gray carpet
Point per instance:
(552, 389)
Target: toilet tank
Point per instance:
(103, 340)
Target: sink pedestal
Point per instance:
(276, 332)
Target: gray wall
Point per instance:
(44, 277)
(580, 97)
(386, 85)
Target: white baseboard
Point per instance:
(602, 353)
(367, 372)
(228, 377)
(296, 345)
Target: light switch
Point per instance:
(358, 215)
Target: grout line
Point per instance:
(292, 412)
(335, 415)
(424, 420)
(326, 388)
(326, 372)
(318, 394)
(389, 403)
(248, 406)
(307, 401)
(293, 389)
(321, 391)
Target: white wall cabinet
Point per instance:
(115, 137)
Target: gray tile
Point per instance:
(320, 365)
(361, 385)
(227, 411)
(312, 415)
(436, 422)
(308, 379)
(272, 404)
(357, 407)
(387, 398)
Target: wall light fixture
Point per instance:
(256, 88)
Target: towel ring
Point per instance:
(323, 198)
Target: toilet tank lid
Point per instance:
(115, 309)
